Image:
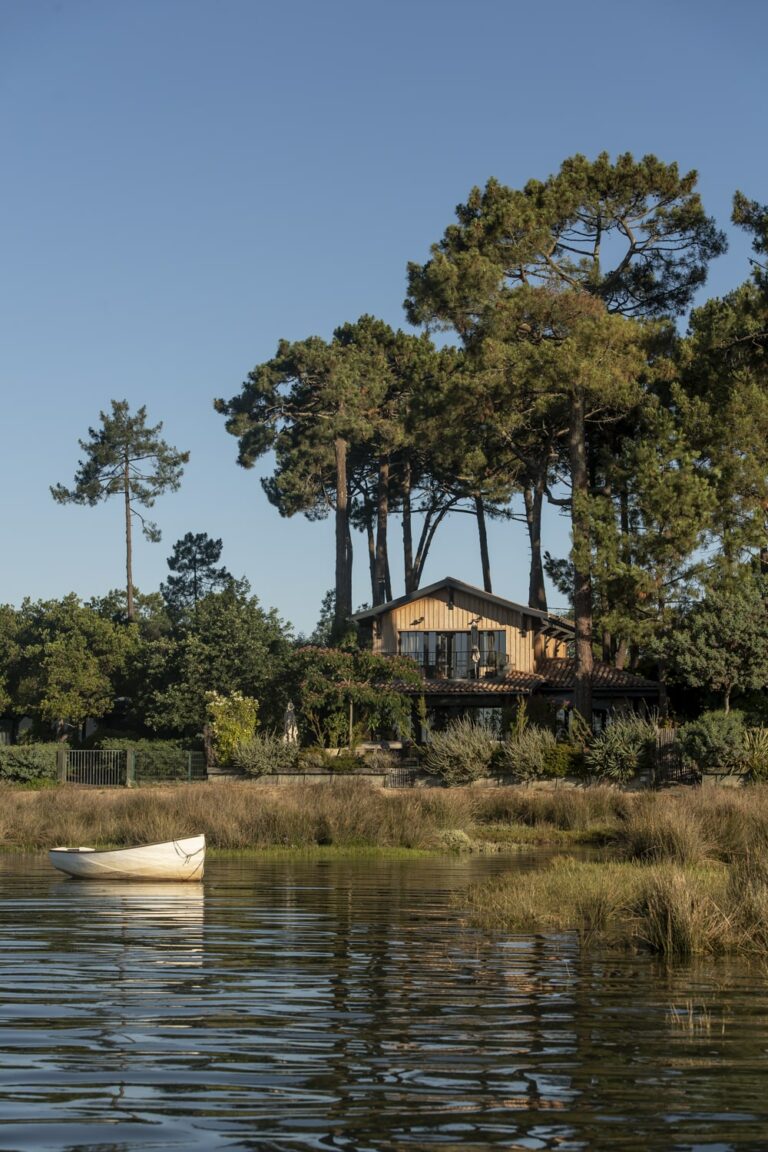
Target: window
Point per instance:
(449, 655)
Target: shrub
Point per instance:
(231, 720)
(28, 763)
(714, 742)
(533, 753)
(265, 753)
(624, 748)
(461, 754)
(755, 753)
(155, 759)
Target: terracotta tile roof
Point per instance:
(553, 675)
(513, 682)
(561, 673)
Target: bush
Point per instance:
(155, 759)
(715, 742)
(461, 754)
(533, 753)
(755, 753)
(265, 753)
(28, 763)
(231, 720)
(624, 748)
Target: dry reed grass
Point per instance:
(655, 831)
(233, 815)
(566, 809)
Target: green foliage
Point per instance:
(28, 763)
(125, 457)
(231, 720)
(265, 753)
(67, 662)
(155, 759)
(322, 636)
(625, 748)
(233, 645)
(461, 754)
(721, 642)
(193, 560)
(755, 753)
(327, 682)
(715, 741)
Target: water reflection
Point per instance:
(319, 1005)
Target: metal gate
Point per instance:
(98, 767)
(401, 776)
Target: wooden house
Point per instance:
(479, 653)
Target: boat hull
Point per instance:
(172, 860)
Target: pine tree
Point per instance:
(193, 560)
(629, 236)
(125, 457)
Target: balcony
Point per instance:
(456, 655)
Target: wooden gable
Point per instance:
(451, 607)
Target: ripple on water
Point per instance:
(344, 1005)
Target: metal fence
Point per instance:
(401, 776)
(118, 767)
(669, 767)
(107, 767)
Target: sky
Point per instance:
(185, 182)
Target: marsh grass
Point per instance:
(653, 833)
(692, 1018)
(235, 815)
(564, 809)
(565, 895)
(679, 913)
(688, 874)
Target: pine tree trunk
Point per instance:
(343, 554)
(533, 497)
(482, 533)
(128, 539)
(370, 539)
(580, 534)
(382, 513)
(410, 584)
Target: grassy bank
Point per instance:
(234, 816)
(237, 815)
(690, 828)
(684, 874)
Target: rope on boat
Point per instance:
(187, 856)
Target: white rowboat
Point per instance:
(174, 860)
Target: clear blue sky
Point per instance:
(186, 181)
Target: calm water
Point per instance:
(340, 1005)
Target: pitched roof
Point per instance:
(554, 675)
(514, 683)
(459, 586)
(561, 673)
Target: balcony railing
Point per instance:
(458, 668)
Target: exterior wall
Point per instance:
(435, 614)
(554, 649)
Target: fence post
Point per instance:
(189, 765)
(130, 768)
(61, 765)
